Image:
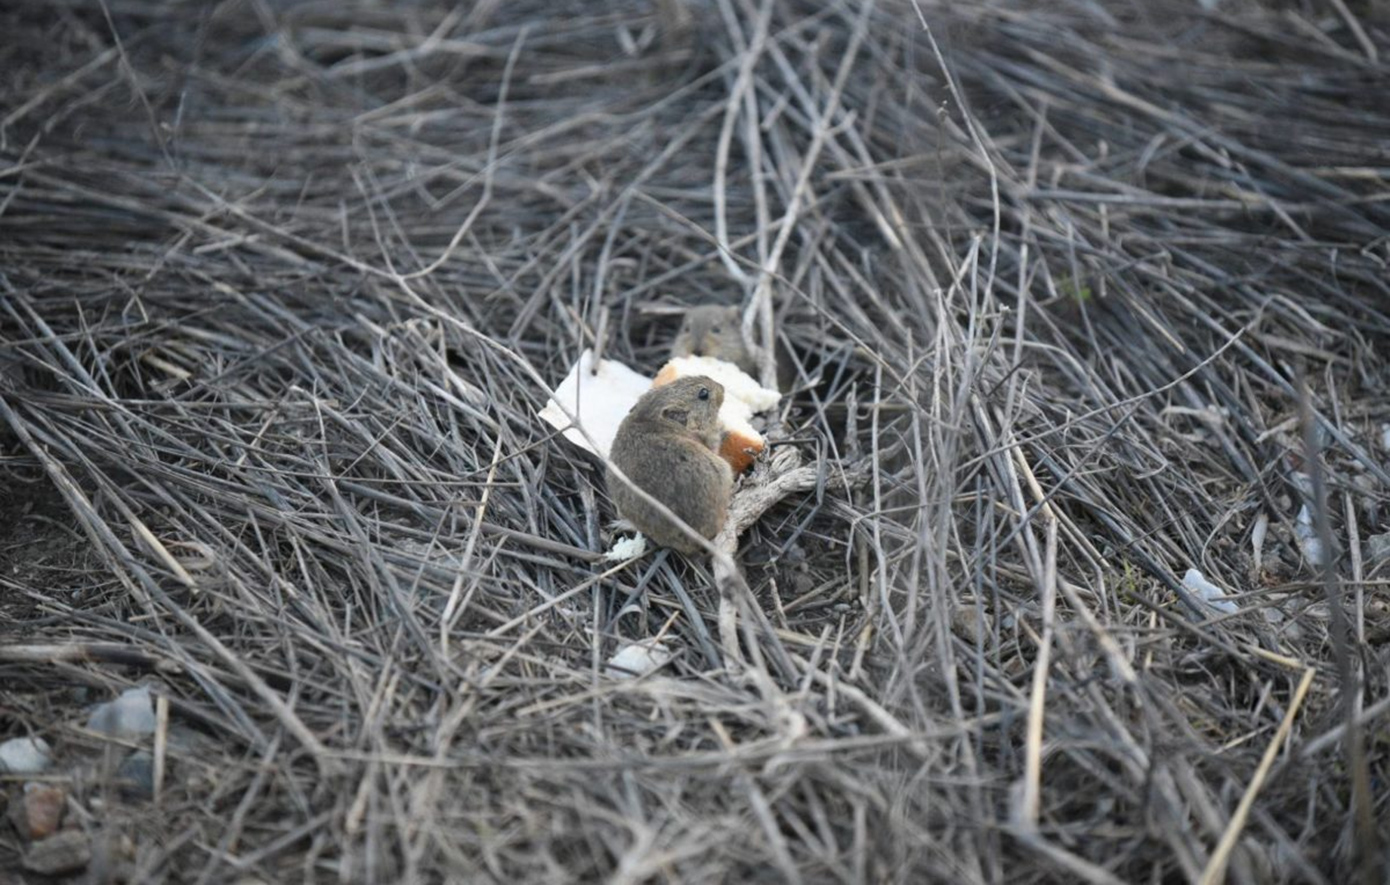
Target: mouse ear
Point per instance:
(680, 416)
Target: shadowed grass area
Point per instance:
(1082, 296)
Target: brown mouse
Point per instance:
(668, 445)
(714, 330)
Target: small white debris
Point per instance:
(1257, 538)
(1378, 548)
(638, 659)
(1385, 437)
(25, 756)
(624, 549)
(1308, 539)
(130, 715)
(1211, 594)
(599, 400)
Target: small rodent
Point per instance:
(668, 446)
(714, 330)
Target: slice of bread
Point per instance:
(743, 398)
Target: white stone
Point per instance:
(638, 659)
(1211, 594)
(25, 756)
(130, 715)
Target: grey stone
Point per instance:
(136, 774)
(1378, 548)
(65, 852)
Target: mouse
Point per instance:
(668, 445)
(714, 330)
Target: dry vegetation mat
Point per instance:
(1090, 308)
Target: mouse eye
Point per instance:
(704, 393)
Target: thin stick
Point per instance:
(1215, 870)
(1029, 803)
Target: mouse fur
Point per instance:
(668, 445)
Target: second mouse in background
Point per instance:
(714, 330)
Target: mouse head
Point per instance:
(712, 330)
(692, 403)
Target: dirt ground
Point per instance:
(1069, 560)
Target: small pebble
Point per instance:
(25, 755)
(136, 774)
(39, 811)
(130, 715)
(1378, 548)
(65, 852)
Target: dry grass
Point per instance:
(280, 287)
